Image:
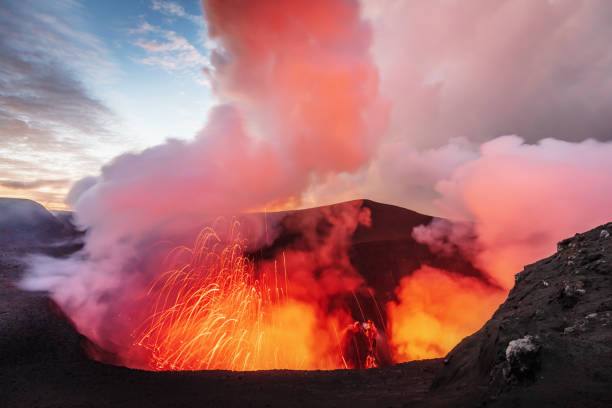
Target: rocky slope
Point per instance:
(382, 253)
(550, 342)
(25, 225)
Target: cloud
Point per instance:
(172, 8)
(283, 123)
(398, 173)
(143, 28)
(47, 114)
(39, 91)
(519, 199)
(485, 69)
(40, 97)
(49, 192)
(34, 184)
(523, 198)
(169, 50)
(301, 116)
(458, 75)
(79, 188)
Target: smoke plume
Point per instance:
(516, 200)
(524, 198)
(299, 100)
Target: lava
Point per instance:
(435, 311)
(216, 308)
(214, 312)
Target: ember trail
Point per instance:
(216, 311)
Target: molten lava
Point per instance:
(216, 308)
(214, 312)
(435, 310)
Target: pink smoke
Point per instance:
(299, 100)
(524, 198)
(516, 201)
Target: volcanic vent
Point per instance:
(323, 288)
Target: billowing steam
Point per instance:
(524, 198)
(517, 201)
(300, 101)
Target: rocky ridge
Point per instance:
(551, 340)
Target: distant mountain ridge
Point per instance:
(25, 222)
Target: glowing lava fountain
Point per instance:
(214, 312)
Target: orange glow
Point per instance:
(213, 309)
(213, 312)
(288, 204)
(435, 311)
(51, 199)
(304, 68)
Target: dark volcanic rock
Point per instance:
(550, 342)
(382, 253)
(66, 218)
(26, 223)
(522, 359)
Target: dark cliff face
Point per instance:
(551, 340)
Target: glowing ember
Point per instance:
(214, 312)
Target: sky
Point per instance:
(86, 81)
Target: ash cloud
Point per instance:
(301, 120)
(516, 201)
(28, 185)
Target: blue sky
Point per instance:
(124, 76)
(160, 50)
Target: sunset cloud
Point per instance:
(172, 8)
(47, 112)
(453, 76)
(34, 184)
(171, 52)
